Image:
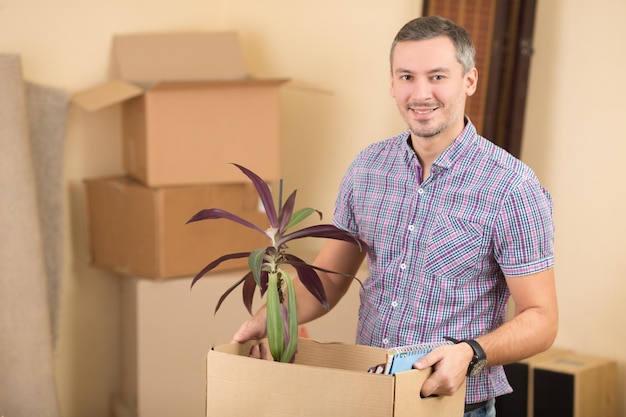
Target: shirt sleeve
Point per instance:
(524, 231)
(343, 216)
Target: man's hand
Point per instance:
(449, 365)
(251, 329)
(254, 329)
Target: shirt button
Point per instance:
(402, 266)
(385, 341)
(411, 228)
(394, 304)
(420, 191)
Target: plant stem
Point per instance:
(275, 330)
(292, 316)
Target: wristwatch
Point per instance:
(479, 361)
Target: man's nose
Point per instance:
(422, 90)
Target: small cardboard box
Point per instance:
(575, 385)
(520, 374)
(140, 231)
(327, 379)
(189, 108)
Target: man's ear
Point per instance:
(391, 93)
(471, 81)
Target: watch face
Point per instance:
(477, 366)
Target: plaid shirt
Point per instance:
(444, 245)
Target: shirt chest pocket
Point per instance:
(453, 247)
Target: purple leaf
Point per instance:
(264, 194)
(309, 278)
(264, 282)
(286, 212)
(293, 261)
(285, 315)
(218, 261)
(228, 291)
(328, 231)
(249, 286)
(215, 213)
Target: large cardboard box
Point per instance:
(327, 379)
(140, 231)
(189, 108)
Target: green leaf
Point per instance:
(275, 336)
(255, 263)
(292, 315)
(300, 215)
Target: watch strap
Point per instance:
(480, 357)
(479, 352)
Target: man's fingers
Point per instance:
(253, 328)
(255, 352)
(437, 384)
(429, 388)
(265, 352)
(261, 351)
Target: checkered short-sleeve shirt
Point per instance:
(443, 246)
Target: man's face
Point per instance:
(430, 88)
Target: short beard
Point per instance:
(427, 134)
(435, 130)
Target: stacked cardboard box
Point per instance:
(189, 108)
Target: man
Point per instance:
(456, 225)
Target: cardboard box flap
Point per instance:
(324, 354)
(339, 355)
(106, 94)
(249, 82)
(179, 56)
(115, 92)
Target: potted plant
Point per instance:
(266, 272)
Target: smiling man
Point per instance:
(456, 225)
(430, 86)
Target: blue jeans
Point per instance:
(489, 410)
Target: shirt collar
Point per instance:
(447, 158)
(460, 145)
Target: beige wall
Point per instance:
(572, 139)
(575, 142)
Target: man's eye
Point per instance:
(438, 77)
(406, 77)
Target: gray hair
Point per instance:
(428, 27)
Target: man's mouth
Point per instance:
(422, 110)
